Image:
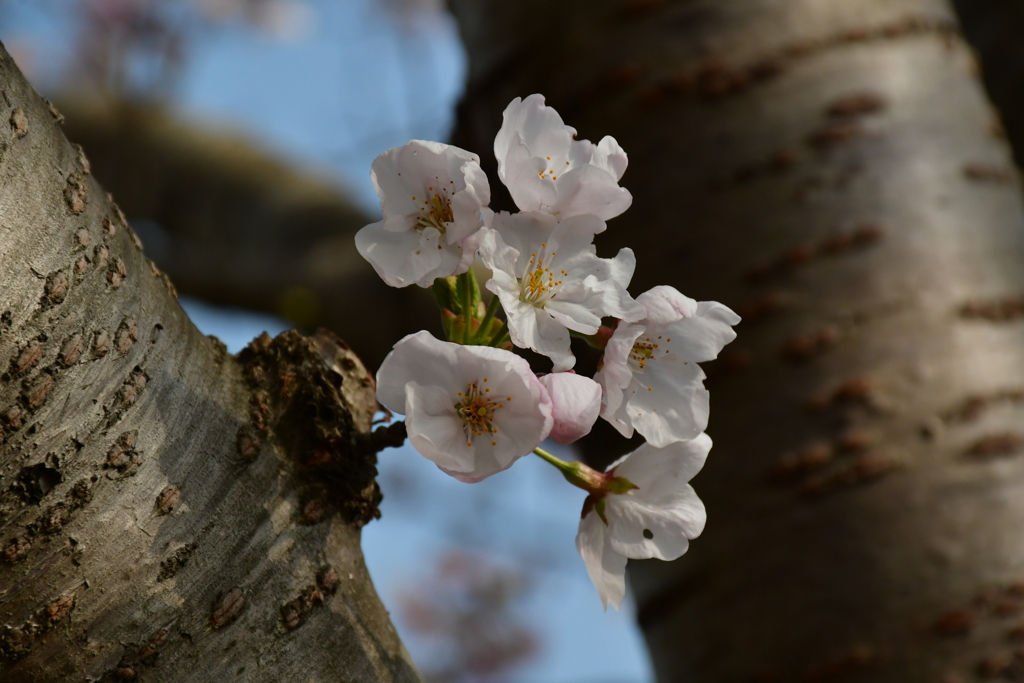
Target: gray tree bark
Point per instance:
(168, 512)
(830, 170)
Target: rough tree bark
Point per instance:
(830, 170)
(168, 512)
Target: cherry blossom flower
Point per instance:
(650, 375)
(655, 516)
(550, 280)
(545, 169)
(575, 404)
(471, 410)
(431, 196)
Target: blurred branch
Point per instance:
(234, 226)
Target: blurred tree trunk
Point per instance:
(234, 226)
(168, 512)
(994, 28)
(831, 170)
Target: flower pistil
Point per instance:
(477, 411)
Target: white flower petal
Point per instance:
(589, 189)
(575, 403)
(666, 305)
(405, 362)
(400, 258)
(615, 377)
(657, 471)
(669, 406)
(426, 189)
(607, 569)
(663, 506)
(652, 382)
(435, 430)
(611, 157)
(545, 169)
(441, 386)
(669, 528)
(550, 280)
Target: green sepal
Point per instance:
(450, 322)
(446, 295)
(621, 485)
(467, 279)
(599, 509)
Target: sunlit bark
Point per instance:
(168, 511)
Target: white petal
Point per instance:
(575, 403)
(522, 177)
(420, 357)
(522, 232)
(427, 379)
(611, 157)
(534, 328)
(665, 305)
(589, 189)
(663, 504)
(403, 172)
(609, 280)
(658, 470)
(435, 430)
(669, 404)
(670, 527)
(615, 376)
(546, 170)
(539, 126)
(405, 258)
(607, 569)
(702, 336)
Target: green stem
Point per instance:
(557, 462)
(492, 308)
(499, 335)
(467, 304)
(577, 474)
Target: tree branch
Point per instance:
(168, 512)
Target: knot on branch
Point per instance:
(316, 400)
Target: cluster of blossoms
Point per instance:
(471, 405)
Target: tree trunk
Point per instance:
(828, 169)
(168, 512)
(994, 28)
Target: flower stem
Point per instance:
(576, 473)
(467, 304)
(499, 335)
(485, 323)
(557, 462)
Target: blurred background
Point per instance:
(185, 109)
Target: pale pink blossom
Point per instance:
(575, 404)
(471, 410)
(650, 376)
(550, 280)
(654, 519)
(432, 197)
(545, 169)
